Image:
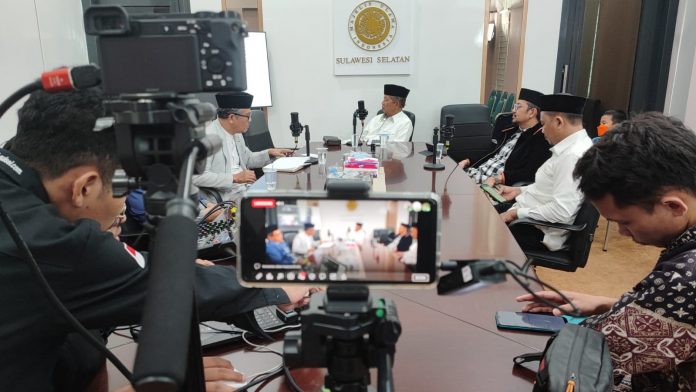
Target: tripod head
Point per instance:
(347, 331)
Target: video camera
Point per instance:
(152, 63)
(182, 53)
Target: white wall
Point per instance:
(682, 64)
(447, 45)
(690, 116)
(541, 44)
(38, 35)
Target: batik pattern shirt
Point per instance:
(651, 330)
(495, 164)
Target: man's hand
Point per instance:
(216, 370)
(464, 164)
(299, 296)
(509, 192)
(490, 181)
(587, 304)
(280, 152)
(509, 215)
(208, 207)
(244, 177)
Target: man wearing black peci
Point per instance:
(522, 150)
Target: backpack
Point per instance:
(576, 359)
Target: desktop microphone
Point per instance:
(361, 112)
(295, 126)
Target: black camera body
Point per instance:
(182, 53)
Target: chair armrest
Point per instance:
(534, 222)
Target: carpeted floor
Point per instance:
(609, 273)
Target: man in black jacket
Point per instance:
(56, 186)
(521, 151)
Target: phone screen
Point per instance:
(529, 321)
(380, 239)
(494, 194)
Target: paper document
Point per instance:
(288, 164)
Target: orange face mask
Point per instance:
(602, 129)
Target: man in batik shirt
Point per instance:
(641, 175)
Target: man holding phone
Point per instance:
(651, 331)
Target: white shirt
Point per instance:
(554, 196)
(398, 127)
(411, 257)
(357, 236)
(302, 243)
(392, 245)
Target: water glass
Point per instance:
(271, 177)
(383, 139)
(440, 149)
(321, 155)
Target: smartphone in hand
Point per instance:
(529, 322)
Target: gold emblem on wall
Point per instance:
(372, 25)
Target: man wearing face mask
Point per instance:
(609, 120)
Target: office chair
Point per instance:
(498, 108)
(472, 131)
(258, 137)
(502, 122)
(411, 117)
(509, 102)
(491, 100)
(288, 237)
(579, 242)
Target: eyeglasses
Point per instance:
(518, 106)
(247, 116)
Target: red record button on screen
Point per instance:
(263, 203)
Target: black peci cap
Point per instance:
(406, 225)
(562, 103)
(531, 96)
(235, 100)
(396, 91)
(308, 225)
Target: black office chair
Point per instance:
(472, 131)
(502, 122)
(258, 137)
(581, 236)
(411, 116)
(288, 237)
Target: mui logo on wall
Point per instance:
(378, 40)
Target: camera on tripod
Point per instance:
(182, 53)
(151, 64)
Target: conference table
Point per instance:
(449, 342)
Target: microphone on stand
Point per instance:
(361, 112)
(448, 131)
(295, 126)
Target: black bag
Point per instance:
(576, 359)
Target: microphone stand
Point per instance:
(354, 141)
(311, 160)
